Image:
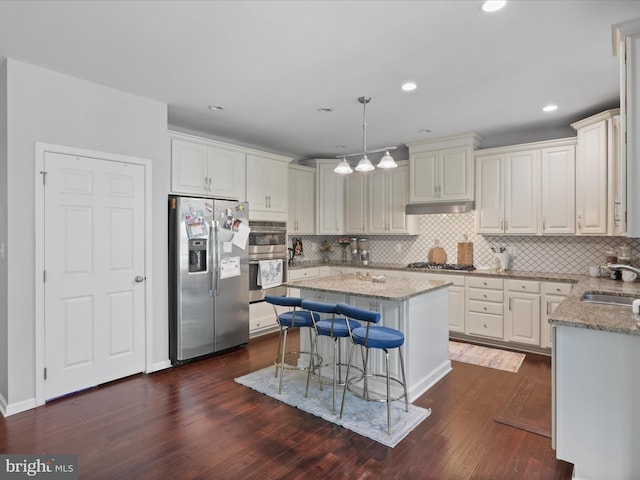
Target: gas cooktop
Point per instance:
(441, 266)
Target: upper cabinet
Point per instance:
(330, 190)
(442, 170)
(206, 168)
(600, 197)
(302, 187)
(526, 189)
(267, 186)
(387, 200)
(357, 202)
(626, 43)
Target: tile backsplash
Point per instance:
(557, 254)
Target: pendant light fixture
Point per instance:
(365, 165)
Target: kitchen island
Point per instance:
(596, 359)
(418, 308)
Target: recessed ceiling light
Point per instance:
(325, 109)
(550, 108)
(424, 130)
(340, 147)
(491, 6)
(409, 86)
(216, 108)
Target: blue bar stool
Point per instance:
(288, 320)
(382, 338)
(334, 328)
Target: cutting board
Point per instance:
(465, 253)
(437, 255)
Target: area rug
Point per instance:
(365, 418)
(529, 408)
(486, 357)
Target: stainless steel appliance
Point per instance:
(208, 276)
(267, 241)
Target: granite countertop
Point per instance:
(392, 289)
(573, 312)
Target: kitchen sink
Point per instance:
(607, 299)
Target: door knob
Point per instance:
(139, 278)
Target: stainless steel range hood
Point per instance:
(440, 207)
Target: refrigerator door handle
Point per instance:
(216, 269)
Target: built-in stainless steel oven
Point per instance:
(267, 241)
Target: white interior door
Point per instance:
(94, 251)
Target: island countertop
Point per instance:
(392, 289)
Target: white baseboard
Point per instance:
(160, 366)
(12, 408)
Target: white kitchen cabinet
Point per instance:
(357, 203)
(626, 42)
(507, 197)
(522, 315)
(485, 307)
(330, 195)
(301, 211)
(267, 185)
(387, 200)
(553, 293)
(442, 170)
(206, 168)
(558, 206)
(526, 189)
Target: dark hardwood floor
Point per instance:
(195, 422)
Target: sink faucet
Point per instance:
(620, 266)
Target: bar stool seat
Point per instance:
(373, 337)
(288, 320)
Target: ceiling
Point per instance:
(273, 64)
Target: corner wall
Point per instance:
(4, 345)
(46, 106)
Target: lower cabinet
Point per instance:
(485, 307)
(522, 315)
(553, 293)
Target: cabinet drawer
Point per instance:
(486, 307)
(530, 286)
(484, 282)
(556, 288)
(485, 325)
(485, 295)
(303, 273)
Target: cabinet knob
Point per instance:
(485, 308)
(485, 295)
(484, 325)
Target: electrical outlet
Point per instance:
(398, 248)
(512, 250)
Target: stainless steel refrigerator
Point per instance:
(208, 276)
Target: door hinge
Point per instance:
(44, 177)
(45, 373)
(44, 276)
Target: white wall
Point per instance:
(4, 379)
(46, 106)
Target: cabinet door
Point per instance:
(188, 167)
(330, 204)
(489, 194)
(277, 185)
(357, 203)
(522, 180)
(456, 309)
(396, 198)
(378, 202)
(591, 180)
(549, 304)
(558, 190)
(522, 318)
(301, 202)
(424, 177)
(256, 183)
(455, 174)
(225, 173)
